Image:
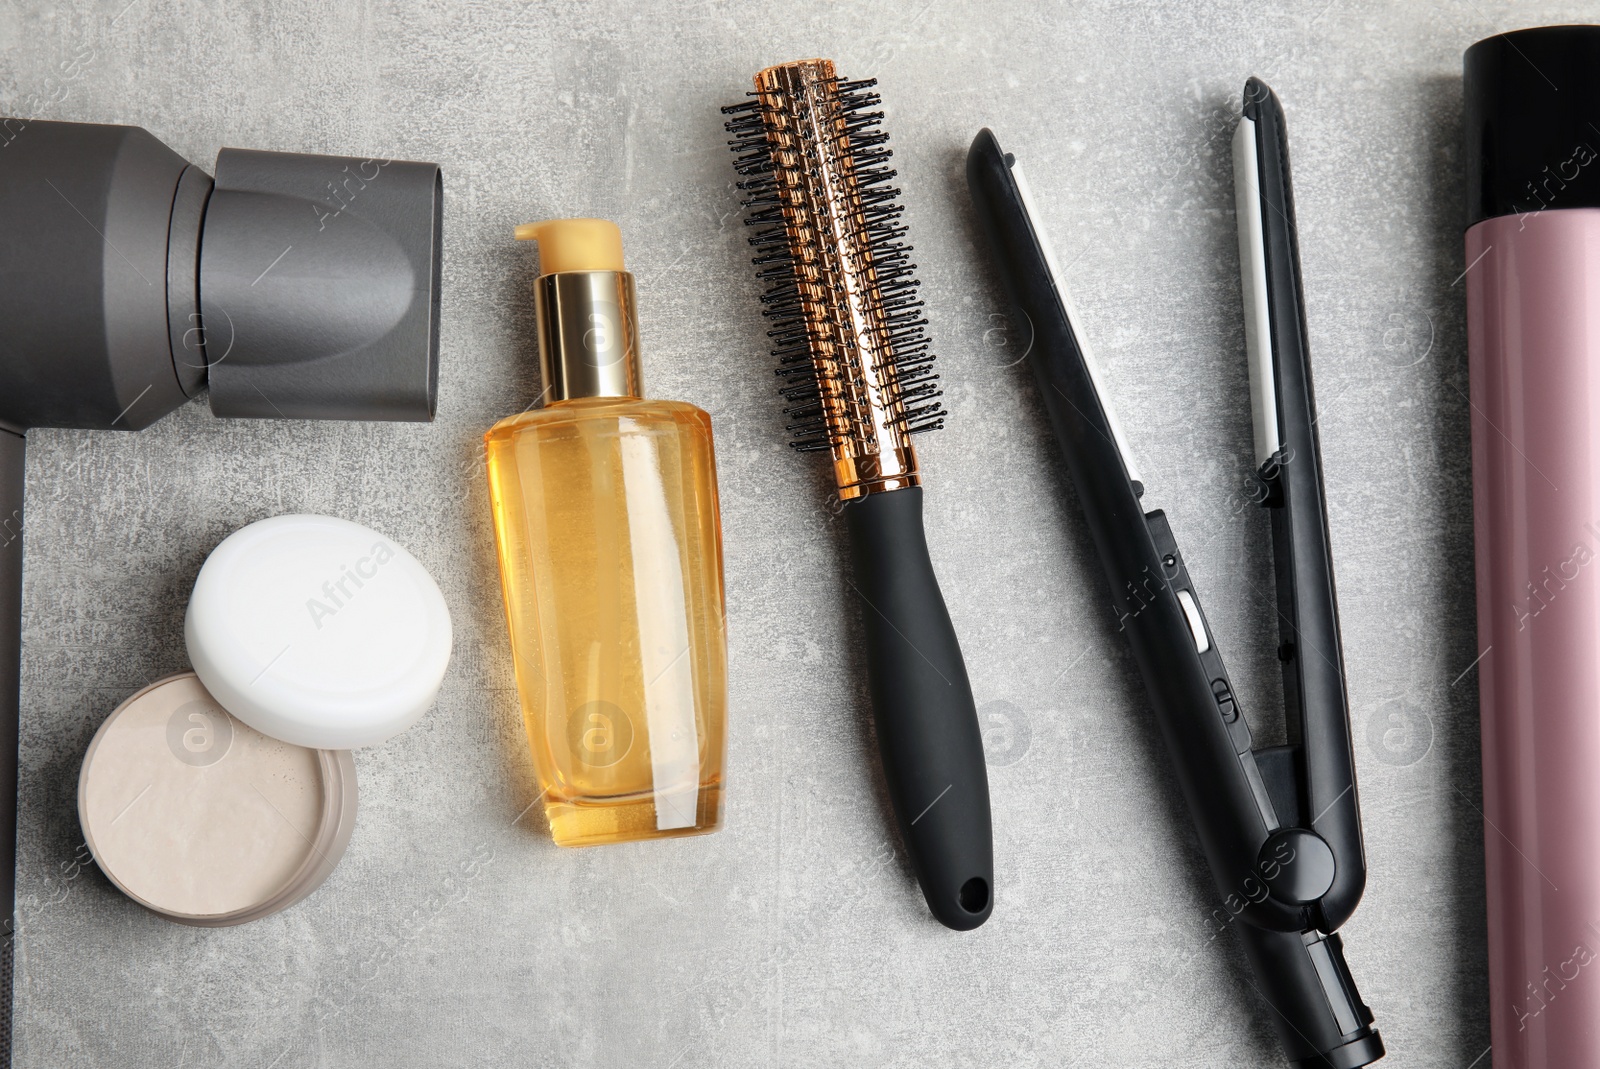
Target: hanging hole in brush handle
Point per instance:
(928, 738)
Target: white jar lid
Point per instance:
(318, 632)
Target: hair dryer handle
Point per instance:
(11, 479)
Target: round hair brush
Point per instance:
(857, 375)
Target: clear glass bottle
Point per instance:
(610, 545)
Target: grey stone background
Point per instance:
(795, 936)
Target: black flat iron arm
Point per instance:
(1289, 461)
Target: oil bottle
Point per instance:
(610, 549)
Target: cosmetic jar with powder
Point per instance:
(199, 817)
(227, 794)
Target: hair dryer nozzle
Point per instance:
(300, 286)
(319, 287)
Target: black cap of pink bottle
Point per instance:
(1533, 121)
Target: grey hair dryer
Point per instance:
(290, 285)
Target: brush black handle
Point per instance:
(928, 734)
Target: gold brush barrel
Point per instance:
(843, 299)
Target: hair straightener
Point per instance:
(1279, 825)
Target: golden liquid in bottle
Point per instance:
(610, 544)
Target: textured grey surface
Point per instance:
(795, 937)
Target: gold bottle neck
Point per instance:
(588, 335)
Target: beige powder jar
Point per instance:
(204, 820)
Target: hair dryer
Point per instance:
(292, 285)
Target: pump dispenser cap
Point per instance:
(584, 300)
(575, 244)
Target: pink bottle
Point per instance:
(1533, 344)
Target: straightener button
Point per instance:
(1225, 702)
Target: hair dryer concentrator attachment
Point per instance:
(300, 286)
(319, 287)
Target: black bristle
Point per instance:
(808, 393)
